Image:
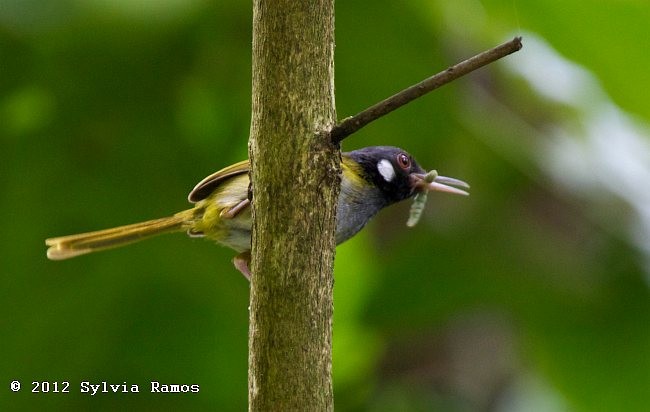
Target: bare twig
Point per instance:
(353, 123)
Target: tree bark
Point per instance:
(295, 179)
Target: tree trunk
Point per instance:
(295, 183)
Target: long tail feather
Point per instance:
(66, 247)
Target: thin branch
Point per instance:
(353, 123)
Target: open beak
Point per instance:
(439, 184)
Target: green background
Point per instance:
(530, 295)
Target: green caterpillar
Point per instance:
(420, 201)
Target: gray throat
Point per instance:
(355, 209)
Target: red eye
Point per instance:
(403, 161)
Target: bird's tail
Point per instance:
(66, 247)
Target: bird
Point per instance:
(372, 178)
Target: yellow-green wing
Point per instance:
(207, 185)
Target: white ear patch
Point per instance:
(386, 170)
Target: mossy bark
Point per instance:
(295, 183)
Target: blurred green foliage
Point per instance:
(529, 295)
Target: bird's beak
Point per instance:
(439, 184)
